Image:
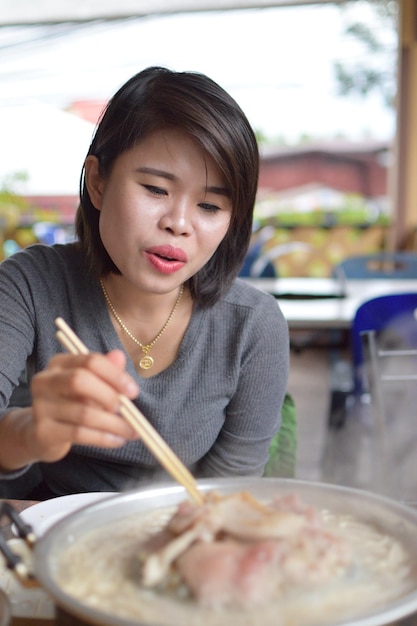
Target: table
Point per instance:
(326, 303)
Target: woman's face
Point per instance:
(164, 209)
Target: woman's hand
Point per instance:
(75, 400)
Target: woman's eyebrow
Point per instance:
(156, 172)
(222, 191)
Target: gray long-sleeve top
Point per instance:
(217, 405)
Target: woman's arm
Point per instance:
(253, 415)
(75, 400)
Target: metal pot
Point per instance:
(390, 516)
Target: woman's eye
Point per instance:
(210, 208)
(157, 191)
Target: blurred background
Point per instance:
(318, 82)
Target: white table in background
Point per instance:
(326, 303)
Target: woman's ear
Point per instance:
(93, 181)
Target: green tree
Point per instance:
(372, 67)
(12, 205)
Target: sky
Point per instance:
(277, 63)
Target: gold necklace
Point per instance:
(146, 361)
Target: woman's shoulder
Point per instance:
(41, 257)
(47, 272)
(243, 301)
(243, 294)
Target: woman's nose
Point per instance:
(177, 219)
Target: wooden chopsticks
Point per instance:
(150, 437)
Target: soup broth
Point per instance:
(102, 569)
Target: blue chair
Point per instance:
(379, 265)
(257, 264)
(391, 377)
(394, 319)
(252, 259)
(260, 261)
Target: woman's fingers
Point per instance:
(110, 368)
(79, 385)
(93, 377)
(78, 424)
(74, 414)
(76, 400)
(127, 385)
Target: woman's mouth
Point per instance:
(166, 259)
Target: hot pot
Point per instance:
(390, 516)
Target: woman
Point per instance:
(167, 195)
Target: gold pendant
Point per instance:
(146, 362)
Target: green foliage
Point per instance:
(352, 214)
(261, 137)
(12, 205)
(348, 209)
(372, 68)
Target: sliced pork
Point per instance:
(237, 551)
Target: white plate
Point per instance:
(42, 515)
(35, 603)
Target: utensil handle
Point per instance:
(13, 560)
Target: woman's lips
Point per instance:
(166, 259)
